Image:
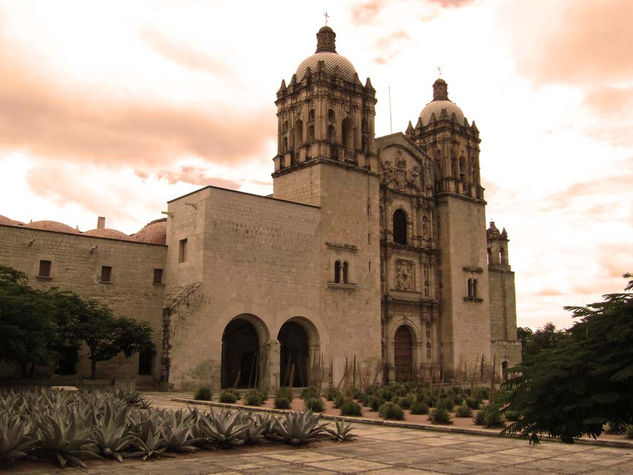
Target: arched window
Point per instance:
(311, 115)
(462, 170)
(284, 145)
(330, 115)
(489, 256)
(400, 227)
(298, 134)
(502, 256)
(348, 135)
(331, 134)
(337, 272)
(345, 272)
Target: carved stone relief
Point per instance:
(405, 274)
(399, 176)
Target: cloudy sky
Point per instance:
(111, 108)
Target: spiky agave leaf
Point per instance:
(299, 428)
(151, 447)
(111, 434)
(222, 429)
(16, 439)
(64, 440)
(178, 436)
(342, 431)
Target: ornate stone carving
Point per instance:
(405, 275)
(399, 176)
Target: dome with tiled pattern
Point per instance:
(326, 52)
(439, 104)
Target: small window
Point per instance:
(337, 272)
(472, 289)
(330, 115)
(182, 250)
(158, 276)
(311, 115)
(400, 227)
(145, 362)
(45, 269)
(345, 272)
(106, 274)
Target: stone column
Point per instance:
(272, 365)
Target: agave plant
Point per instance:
(299, 428)
(257, 427)
(131, 397)
(177, 433)
(16, 439)
(343, 431)
(150, 447)
(110, 433)
(222, 429)
(63, 439)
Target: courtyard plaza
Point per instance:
(379, 449)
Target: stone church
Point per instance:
(371, 256)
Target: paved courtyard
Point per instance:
(380, 449)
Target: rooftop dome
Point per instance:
(154, 232)
(52, 226)
(9, 222)
(109, 233)
(326, 52)
(440, 103)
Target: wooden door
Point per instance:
(403, 358)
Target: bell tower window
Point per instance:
(330, 115)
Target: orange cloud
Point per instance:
(185, 54)
(609, 186)
(389, 46)
(52, 120)
(366, 12)
(578, 44)
(195, 176)
(610, 101)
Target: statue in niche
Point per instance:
(405, 277)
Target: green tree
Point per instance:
(35, 325)
(28, 333)
(106, 335)
(541, 339)
(584, 380)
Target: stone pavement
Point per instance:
(380, 449)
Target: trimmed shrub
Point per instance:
(350, 408)
(338, 401)
(282, 402)
(391, 411)
(387, 394)
(309, 393)
(445, 403)
(331, 393)
(464, 411)
(314, 404)
(364, 398)
(203, 394)
(419, 407)
(404, 401)
(473, 402)
(286, 392)
(489, 416)
(483, 393)
(439, 415)
(254, 398)
(375, 403)
(228, 396)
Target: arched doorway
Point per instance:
(403, 354)
(240, 355)
(294, 355)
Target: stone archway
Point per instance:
(403, 354)
(299, 346)
(242, 355)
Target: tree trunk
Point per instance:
(93, 369)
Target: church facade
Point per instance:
(370, 258)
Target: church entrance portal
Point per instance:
(294, 356)
(403, 361)
(240, 355)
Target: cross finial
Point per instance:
(439, 71)
(326, 17)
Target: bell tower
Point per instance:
(445, 135)
(324, 114)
